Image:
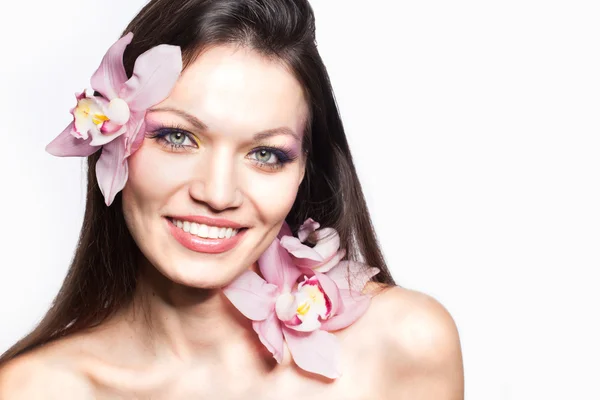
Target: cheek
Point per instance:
(152, 180)
(273, 194)
(153, 176)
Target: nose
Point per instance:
(215, 182)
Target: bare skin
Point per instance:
(181, 338)
(405, 347)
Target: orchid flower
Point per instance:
(300, 306)
(114, 121)
(323, 256)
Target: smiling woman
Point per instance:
(226, 249)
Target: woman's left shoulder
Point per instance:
(418, 337)
(415, 321)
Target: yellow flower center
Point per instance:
(86, 109)
(99, 118)
(303, 308)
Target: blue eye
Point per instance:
(175, 138)
(265, 155)
(270, 157)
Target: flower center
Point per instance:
(303, 308)
(99, 118)
(311, 299)
(88, 110)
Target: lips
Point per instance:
(203, 244)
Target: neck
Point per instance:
(193, 324)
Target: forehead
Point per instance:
(235, 90)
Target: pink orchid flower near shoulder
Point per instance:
(300, 306)
(114, 121)
(326, 253)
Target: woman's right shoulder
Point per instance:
(44, 373)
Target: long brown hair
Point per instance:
(102, 276)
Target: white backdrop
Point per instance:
(475, 130)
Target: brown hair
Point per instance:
(102, 276)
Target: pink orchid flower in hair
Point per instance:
(114, 121)
(300, 307)
(323, 256)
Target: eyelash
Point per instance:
(161, 135)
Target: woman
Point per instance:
(226, 249)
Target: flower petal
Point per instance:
(317, 351)
(252, 296)
(285, 307)
(154, 75)
(277, 267)
(308, 325)
(110, 76)
(331, 291)
(111, 169)
(332, 262)
(323, 256)
(301, 251)
(109, 127)
(284, 231)
(328, 242)
(136, 128)
(308, 227)
(117, 111)
(100, 139)
(354, 306)
(270, 334)
(67, 145)
(352, 275)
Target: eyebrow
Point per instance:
(201, 126)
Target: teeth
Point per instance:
(205, 231)
(213, 232)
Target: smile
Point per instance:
(205, 231)
(205, 235)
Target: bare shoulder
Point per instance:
(421, 351)
(45, 373)
(418, 324)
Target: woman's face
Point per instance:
(227, 145)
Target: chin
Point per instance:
(202, 275)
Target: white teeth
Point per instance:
(213, 232)
(205, 231)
